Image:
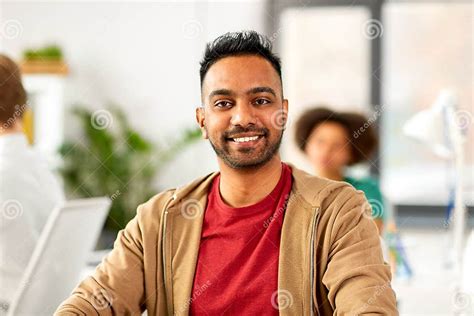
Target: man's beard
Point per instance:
(249, 158)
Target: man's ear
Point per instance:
(200, 119)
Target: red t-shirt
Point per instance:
(237, 268)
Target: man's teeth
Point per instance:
(245, 139)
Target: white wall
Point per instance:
(143, 56)
(322, 69)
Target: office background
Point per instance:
(386, 59)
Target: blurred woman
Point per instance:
(29, 191)
(332, 141)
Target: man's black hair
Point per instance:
(235, 44)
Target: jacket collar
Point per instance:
(305, 186)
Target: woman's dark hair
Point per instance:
(238, 43)
(360, 132)
(12, 94)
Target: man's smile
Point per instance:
(246, 142)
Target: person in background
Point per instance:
(28, 190)
(333, 141)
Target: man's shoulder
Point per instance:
(315, 189)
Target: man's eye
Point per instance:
(223, 104)
(261, 101)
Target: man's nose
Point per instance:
(243, 115)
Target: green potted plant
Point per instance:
(113, 159)
(48, 59)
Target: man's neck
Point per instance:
(240, 188)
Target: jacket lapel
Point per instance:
(294, 282)
(184, 227)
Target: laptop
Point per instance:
(63, 248)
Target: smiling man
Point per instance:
(258, 237)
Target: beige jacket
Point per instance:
(330, 256)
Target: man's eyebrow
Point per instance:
(221, 92)
(261, 89)
(255, 90)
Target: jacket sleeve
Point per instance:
(356, 276)
(117, 285)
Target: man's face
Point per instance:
(243, 113)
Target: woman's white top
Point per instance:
(29, 191)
